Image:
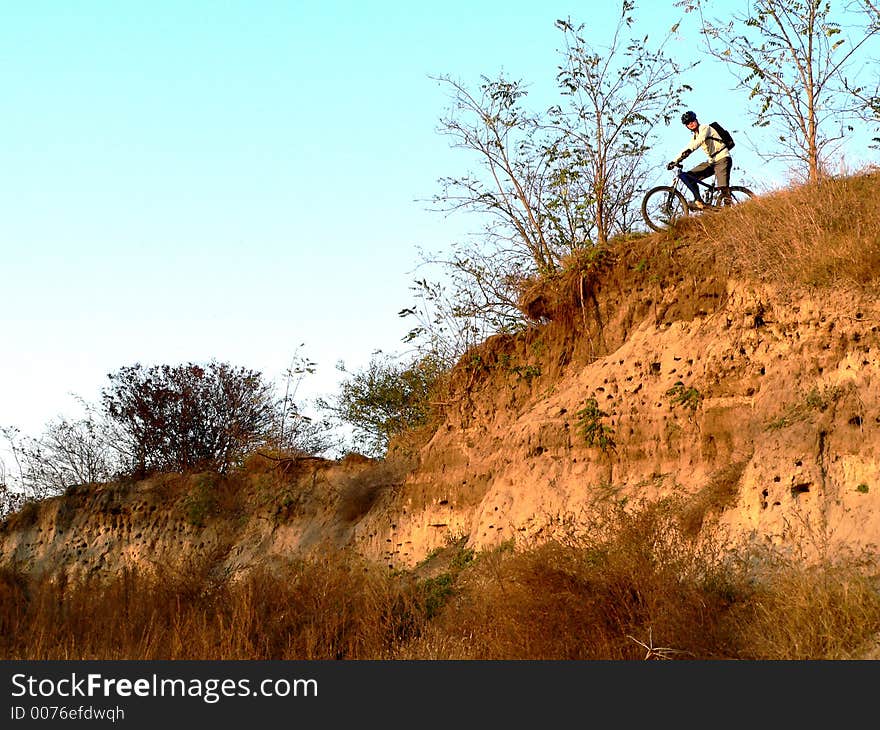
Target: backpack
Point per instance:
(724, 135)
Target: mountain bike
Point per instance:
(665, 204)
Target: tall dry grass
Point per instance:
(637, 583)
(815, 235)
(331, 607)
(634, 581)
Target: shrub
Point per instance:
(385, 399)
(185, 417)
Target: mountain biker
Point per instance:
(719, 163)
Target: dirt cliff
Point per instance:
(653, 373)
(752, 406)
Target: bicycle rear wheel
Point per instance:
(662, 206)
(739, 194)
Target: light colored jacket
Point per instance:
(708, 139)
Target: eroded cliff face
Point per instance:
(759, 412)
(275, 509)
(756, 409)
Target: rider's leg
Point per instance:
(722, 178)
(700, 172)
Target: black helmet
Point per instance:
(688, 117)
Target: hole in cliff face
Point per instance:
(855, 421)
(709, 448)
(799, 489)
(655, 368)
(764, 494)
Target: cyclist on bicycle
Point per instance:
(719, 163)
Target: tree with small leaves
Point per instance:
(793, 57)
(545, 184)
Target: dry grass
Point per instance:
(810, 612)
(825, 235)
(635, 580)
(332, 607)
(815, 235)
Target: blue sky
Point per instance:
(186, 181)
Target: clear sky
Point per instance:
(228, 179)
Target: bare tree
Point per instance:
(513, 175)
(299, 367)
(867, 96)
(616, 95)
(69, 452)
(545, 184)
(443, 329)
(792, 55)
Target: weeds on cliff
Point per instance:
(209, 496)
(681, 395)
(816, 400)
(442, 566)
(590, 426)
(522, 371)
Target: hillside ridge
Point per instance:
(656, 372)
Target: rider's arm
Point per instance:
(698, 140)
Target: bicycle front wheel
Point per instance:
(662, 206)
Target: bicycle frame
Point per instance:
(712, 192)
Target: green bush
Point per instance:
(385, 399)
